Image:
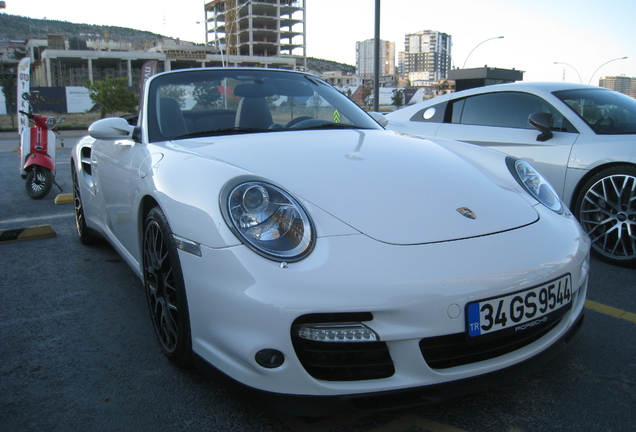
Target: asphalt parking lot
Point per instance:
(78, 353)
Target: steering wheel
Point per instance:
(292, 122)
(604, 124)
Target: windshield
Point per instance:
(208, 102)
(606, 112)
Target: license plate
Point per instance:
(520, 311)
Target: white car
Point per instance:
(287, 241)
(582, 138)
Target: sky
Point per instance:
(583, 34)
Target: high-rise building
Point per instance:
(365, 58)
(427, 57)
(621, 84)
(257, 28)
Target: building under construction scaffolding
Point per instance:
(257, 28)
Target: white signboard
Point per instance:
(24, 83)
(78, 100)
(3, 103)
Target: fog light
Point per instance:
(270, 358)
(347, 332)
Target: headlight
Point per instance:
(268, 220)
(533, 182)
(51, 123)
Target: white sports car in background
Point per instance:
(585, 147)
(288, 241)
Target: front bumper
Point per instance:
(324, 406)
(241, 303)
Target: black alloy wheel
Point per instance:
(606, 209)
(39, 181)
(165, 290)
(85, 234)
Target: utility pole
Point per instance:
(376, 65)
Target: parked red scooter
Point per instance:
(37, 153)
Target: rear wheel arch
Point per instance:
(589, 175)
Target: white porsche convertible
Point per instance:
(289, 243)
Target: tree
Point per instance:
(175, 92)
(7, 82)
(443, 87)
(367, 96)
(112, 96)
(398, 98)
(206, 95)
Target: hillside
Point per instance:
(15, 27)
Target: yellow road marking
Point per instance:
(611, 311)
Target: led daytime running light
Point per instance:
(336, 332)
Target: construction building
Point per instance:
(249, 33)
(258, 28)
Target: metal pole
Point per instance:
(577, 72)
(592, 77)
(376, 65)
(497, 37)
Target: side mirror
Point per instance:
(112, 129)
(542, 121)
(379, 117)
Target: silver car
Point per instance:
(582, 138)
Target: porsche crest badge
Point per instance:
(465, 211)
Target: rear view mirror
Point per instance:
(111, 129)
(542, 121)
(379, 117)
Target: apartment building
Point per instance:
(622, 84)
(365, 58)
(427, 57)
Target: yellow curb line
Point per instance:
(64, 198)
(611, 311)
(31, 233)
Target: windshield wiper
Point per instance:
(226, 131)
(334, 126)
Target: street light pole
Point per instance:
(497, 37)
(620, 58)
(577, 72)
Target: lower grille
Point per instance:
(443, 352)
(344, 361)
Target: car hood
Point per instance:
(395, 189)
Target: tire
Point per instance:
(165, 290)
(85, 234)
(606, 209)
(39, 181)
